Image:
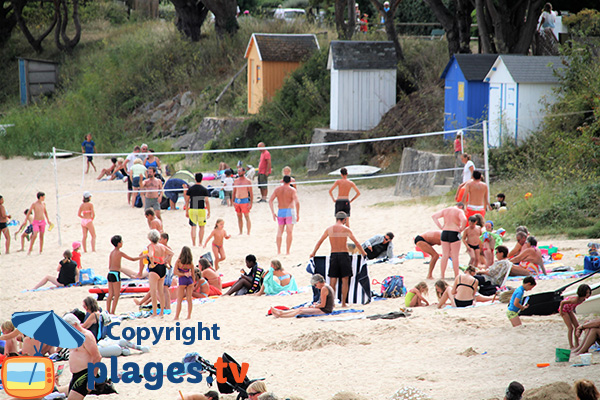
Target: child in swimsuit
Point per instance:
(184, 270)
(414, 297)
(27, 225)
(218, 234)
(470, 238)
(567, 312)
(114, 273)
(202, 289)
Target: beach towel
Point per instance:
(272, 286)
(359, 287)
(552, 275)
(334, 312)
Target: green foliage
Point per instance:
(107, 10)
(584, 23)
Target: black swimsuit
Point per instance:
(464, 303)
(450, 236)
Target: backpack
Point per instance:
(393, 286)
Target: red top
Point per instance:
(364, 24)
(457, 146)
(77, 258)
(262, 165)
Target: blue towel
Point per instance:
(336, 312)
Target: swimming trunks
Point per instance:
(151, 203)
(511, 314)
(114, 276)
(473, 247)
(39, 225)
(450, 236)
(90, 158)
(197, 216)
(472, 210)
(463, 303)
(241, 206)
(3, 225)
(342, 205)
(419, 238)
(79, 382)
(340, 265)
(159, 269)
(29, 230)
(285, 216)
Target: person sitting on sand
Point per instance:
(529, 261)
(92, 321)
(211, 276)
(153, 222)
(277, 280)
(67, 273)
(201, 289)
(592, 335)
(249, 282)
(110, 170)
(471, 240)
(425, 242)
(210, 395)
(465, 288)
(444, 294)
(521, 244)
(256, 389)
(379, 246)
(496, 273)
(325, 304)
(586, 390)
(11, 346)
(514, 391)
(415, 296)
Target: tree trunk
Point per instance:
(390, 25)
(457, 25)
(225, 12)
(8, 21)
(63, 42)
(36, 43)
(345, 29)
(482, 26)
(190, 15)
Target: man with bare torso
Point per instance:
(425, 242)
(340, 262)
(454, 223)
(4, 218)
(242, 199)
(79, 358)
(344, 185)
(40, 216)
(152, 192)
(529, 261)
(476, 196)
(287, 200)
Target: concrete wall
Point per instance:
(324, 159)
(422, 184)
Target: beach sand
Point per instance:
(447, 354)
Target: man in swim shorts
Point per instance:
(197, 208)
(79, 358)
(152, 192)
(242, 199)
(40, 216)
(454, 223)
(342, 202)
(287, 202)
(476, 196)
(340, 262)
(379, 246)
(425, 242)
(4, 218)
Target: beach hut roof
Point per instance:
(473, 66)
(284, 48)
(344, 54)
(530, 69)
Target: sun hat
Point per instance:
(76, 245)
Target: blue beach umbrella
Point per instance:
(48, 328)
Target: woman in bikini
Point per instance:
(276, 280)
(157, 256)
(184, 269)
(218, 234)
(201, 287)
(465, 289)
(87, 215)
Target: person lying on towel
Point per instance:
(324, 306)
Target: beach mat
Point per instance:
(335, 312)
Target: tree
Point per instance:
(390, 27)
(190, 15)
(507, 26)
(8, 21)
(225, 12)
(457, 24)
(345, 29)
(36, 43)
(60, 34)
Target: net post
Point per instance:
(82, 170)
(486, 156)
(57, 198)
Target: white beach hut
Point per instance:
(363, 83)
(520, 86)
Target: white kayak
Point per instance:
(358, 170)
(590, 306)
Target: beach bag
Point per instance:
(393, 286)
(138, 202)
(591, 263)
(86, 276)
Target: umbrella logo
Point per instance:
(30, 377)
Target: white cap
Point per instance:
(87, 195)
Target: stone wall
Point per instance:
(324, 159)
(422, 184)
(209, 129)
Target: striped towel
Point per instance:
(360, 285)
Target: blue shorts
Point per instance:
(136, 182)
(169, 277)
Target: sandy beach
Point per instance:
(447, 354)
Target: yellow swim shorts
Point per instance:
(197, 216)
(511, 314)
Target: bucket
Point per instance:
(557, 256)
(586, 358)
(562, 355)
